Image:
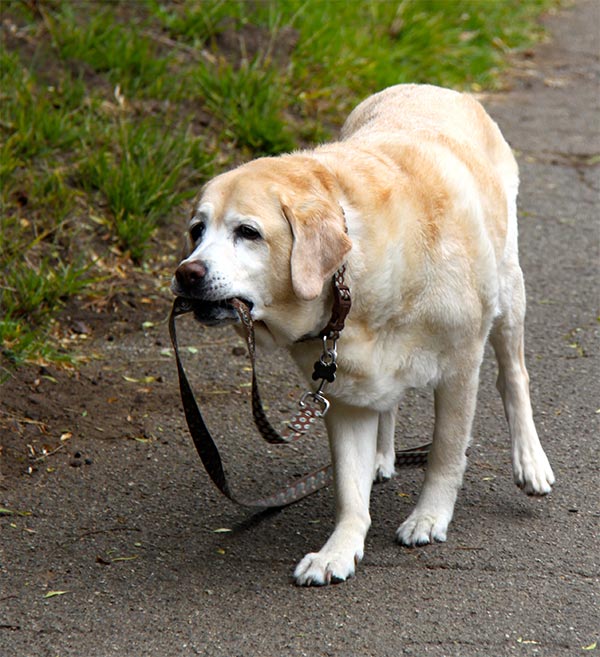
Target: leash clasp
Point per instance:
(316, 398)
(324, 371)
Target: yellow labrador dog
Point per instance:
(418, 200)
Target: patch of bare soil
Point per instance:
(48, 414)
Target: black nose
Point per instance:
(189, 274)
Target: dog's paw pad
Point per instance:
(317, 569)
(421, 529)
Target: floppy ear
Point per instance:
(320, 244)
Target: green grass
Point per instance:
(119, 51)
(141, 178)
(112, 115)
(250, 100)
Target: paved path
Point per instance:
(132, 540)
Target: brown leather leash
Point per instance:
(312, 406)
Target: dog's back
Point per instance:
(428, 110)
(456, 123)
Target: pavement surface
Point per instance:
(114, 541)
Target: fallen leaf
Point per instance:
(592, 646)
(13, 512)
(81, 328)
(222, 530)
(53, 594)
(555, 82)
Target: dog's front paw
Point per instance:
(325, 567)
(421, 529)
(532, 471)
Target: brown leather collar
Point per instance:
(342, 302)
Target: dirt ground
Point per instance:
(113, 541)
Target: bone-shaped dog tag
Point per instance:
(324, 371)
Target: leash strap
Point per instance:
(302, 420)
(300, 423)
(207, 449)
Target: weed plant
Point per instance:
(112, 114)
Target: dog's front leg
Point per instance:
(353, 442)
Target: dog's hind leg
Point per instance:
(353, 441)
(531, 469)
(386, 454)
(455, 398)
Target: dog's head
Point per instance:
(270, 233)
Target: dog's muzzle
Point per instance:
(190, 285)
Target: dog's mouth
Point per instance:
(213, 313)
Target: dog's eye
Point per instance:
(197, 230)
(248, 233)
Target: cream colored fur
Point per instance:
(427, 186)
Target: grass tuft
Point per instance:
(140, 179)
(115, 49)
(249, 101)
